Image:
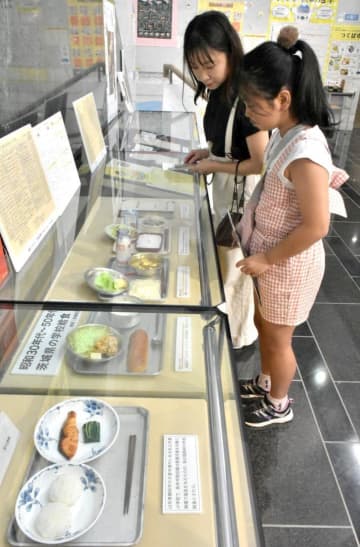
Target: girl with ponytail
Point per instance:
(282, 90)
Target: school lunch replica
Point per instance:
(65, 499)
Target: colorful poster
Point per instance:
(344, 61)
(313, 19)
(156, 22)
(233, 10)
(85, 19)
(298, 12)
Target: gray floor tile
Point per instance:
(309, 537)
(336, 328)
(293, 481)
(337, 285)
(345, 459)
(352, 208)
(327, 405)
(344, 254)
(350, 191)
(350, 234)
(350, 392)
(328, 249)
(303, 330)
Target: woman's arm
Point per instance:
(256, 144)
(311, 182)
(196, 155)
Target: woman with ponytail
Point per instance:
(283, 91)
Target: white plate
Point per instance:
(85, 512)
(48, 428)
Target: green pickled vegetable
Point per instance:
(83, 340)
(91, 431)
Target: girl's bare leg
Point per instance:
(277, 356)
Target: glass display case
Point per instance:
(115, 370)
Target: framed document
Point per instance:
(90, 129)
(57, 160)
(27, 208)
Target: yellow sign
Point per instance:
(300, 13)
(233, 10)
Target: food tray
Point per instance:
(163, 276)
(153, 323)
(113, 528)
(134, 218)
(165, 242)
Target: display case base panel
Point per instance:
(114, 528)
(152, 323)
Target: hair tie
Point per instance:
(296, 53)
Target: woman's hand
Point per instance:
(204, 167)
(254, 265)
(196, 155)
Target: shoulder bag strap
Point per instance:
(229, 128)
(237, 205)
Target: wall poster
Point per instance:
(85, 19)
(344, 62)
(234, 10)
(313, 19)
(156, 22)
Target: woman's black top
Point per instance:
(215, 121)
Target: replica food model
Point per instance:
(53, 520)
(91, 432)
(138, 351)
(145, 289)
(94, 342)
(105, 281)
(69, 436)
(145, 263)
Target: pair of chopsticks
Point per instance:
(129, 472)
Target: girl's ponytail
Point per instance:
(309, 103)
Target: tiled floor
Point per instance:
(306, 473)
